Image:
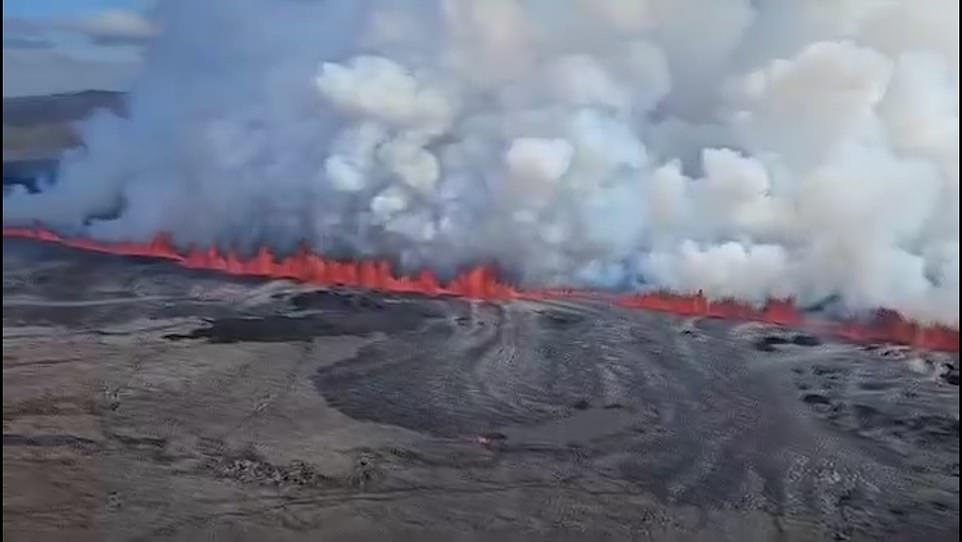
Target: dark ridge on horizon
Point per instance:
(62, 107)
(38, 129)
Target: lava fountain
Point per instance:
(483, 284)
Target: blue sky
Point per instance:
(62, 8)
(69, 45)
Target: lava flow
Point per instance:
(478, 283)
(885, 326)
(482, 283)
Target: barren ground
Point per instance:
(146, 402)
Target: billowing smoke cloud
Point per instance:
(755, 149)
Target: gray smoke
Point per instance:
(751, 149)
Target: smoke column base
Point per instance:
(482, 283)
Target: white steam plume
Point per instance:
(753, 149)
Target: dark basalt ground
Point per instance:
(146, 402)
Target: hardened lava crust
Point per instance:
(142, 401)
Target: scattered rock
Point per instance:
(806, 340)
(252, 469)
(950, 374)
(769, 342)
(815, 399)
(403, 453)
(560, 319)
(869, 417)
(875, 385)
(364, 472)
(939, 506)
(824, 370)
(114, 501)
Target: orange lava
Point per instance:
(478, 283)
(887, 326)
(482, 283)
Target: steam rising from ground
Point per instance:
(748, 149)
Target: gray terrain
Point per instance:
(142, 401)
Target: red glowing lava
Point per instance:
(303, 266)
(482, 283)
(886, 326)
